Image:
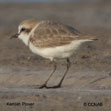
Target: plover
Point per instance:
(51, 40)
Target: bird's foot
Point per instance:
(49, 87)
(42, 86)
(53, 87)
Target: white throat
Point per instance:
(24, 38)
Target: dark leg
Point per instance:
(45, 84)
(60, 83)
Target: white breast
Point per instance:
(59, 51)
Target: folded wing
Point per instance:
(52, 34)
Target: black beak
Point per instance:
(14, 36)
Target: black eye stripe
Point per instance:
(23, 29)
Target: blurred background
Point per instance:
(88, 13)
(21, 71)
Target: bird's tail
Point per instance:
(88, 38)
(93, 38)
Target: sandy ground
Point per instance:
(21, 72)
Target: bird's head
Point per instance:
(25, 29)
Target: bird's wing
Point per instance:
(51, 34)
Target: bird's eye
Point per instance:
(23, 29)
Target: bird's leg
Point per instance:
(60, 83)
(68, 66)
(45, 84)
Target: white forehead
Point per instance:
(22, 26)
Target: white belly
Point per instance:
(57, 52)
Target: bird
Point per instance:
(51, 40)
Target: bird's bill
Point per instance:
(14, 36)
